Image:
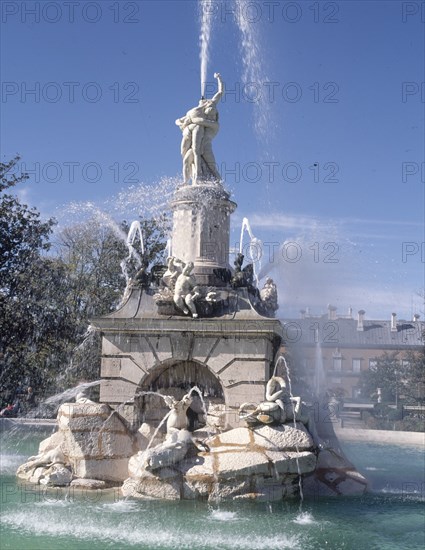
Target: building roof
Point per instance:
(343, 332)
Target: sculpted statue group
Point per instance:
(179, 283)
(199, 127)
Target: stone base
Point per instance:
(255, 464)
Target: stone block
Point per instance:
(110, 345)
(92, 484)
(286, 463)
(116, 391)
(230, 489)
(200, 467)
(268, 489)
(196, 489)
(242, 393)
(112, 444)
(110, 367)
(236, 437)
(225, 351)
(145, 360)
(129, 370)
(283, 437)
(162, 347)
(240, 463)
(83, 417)
(116, 344)
(202, 348)
(105, 469)
(152, 486)
(242, 370)
(181, 346)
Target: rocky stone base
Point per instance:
(93, 443)
(262, 463)
(94, 449)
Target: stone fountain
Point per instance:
(191, 403)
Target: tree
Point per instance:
(94, 252)
(47, 296)
(24, 239)
(385, 375)
(400, 376)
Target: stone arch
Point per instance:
(183, 375)
(175, 378)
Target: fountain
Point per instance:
(186, 362)
(196, 404)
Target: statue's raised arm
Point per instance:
(219, 94)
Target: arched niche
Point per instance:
(175, 379)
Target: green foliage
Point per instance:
(47, 300)
(400, 377)
(26, 321)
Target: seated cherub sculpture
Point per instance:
(279, 406)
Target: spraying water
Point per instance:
(254, 248)
(134, 232)
(168, 249)
(253, 75)
(319, 379)
(288, 376)
(206, 20)
(70, 394)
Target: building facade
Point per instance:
(334, 350)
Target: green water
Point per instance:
(391, 516)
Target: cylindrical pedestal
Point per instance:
(201, 229)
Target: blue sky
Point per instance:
(323, 151)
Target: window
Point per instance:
(357, 364)
(337, 364)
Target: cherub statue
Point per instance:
(186, 292)
(174, 269)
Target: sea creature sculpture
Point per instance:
(279, 406)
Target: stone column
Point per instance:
(201, 228)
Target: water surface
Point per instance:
(390, 516)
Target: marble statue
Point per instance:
(47, 458)
(142, 278)
(174, 269)
(185, 291)
(279, 407)
(268, 295)
(199, 126)
(177, 419)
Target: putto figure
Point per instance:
(185, 291)
(199, 127)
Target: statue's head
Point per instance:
(188, 268)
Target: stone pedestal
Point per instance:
(232, 356)
(201, 226)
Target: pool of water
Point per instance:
(390, 516)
